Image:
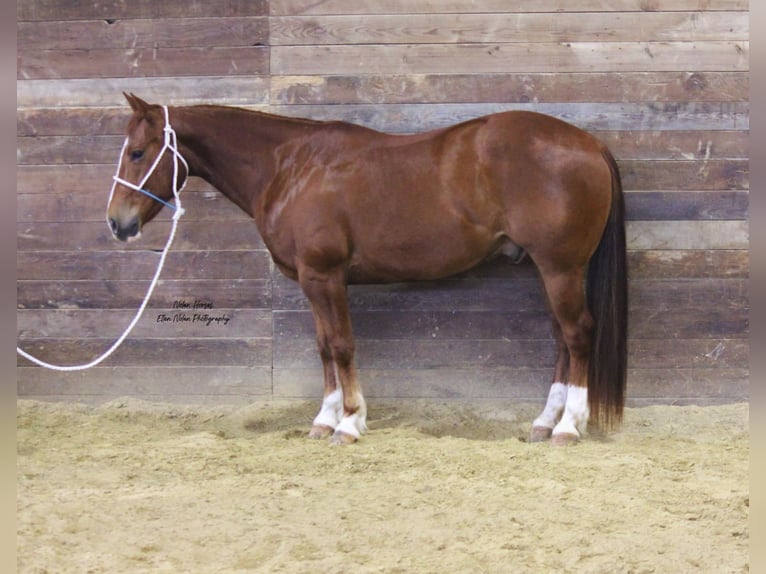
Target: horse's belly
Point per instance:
(421, 255)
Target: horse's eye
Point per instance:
(136, 154)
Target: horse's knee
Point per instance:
(325, 351)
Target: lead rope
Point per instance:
(171, 143)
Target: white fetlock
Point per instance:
(331, 413)
(354, 425)
(557, 398)
(575, 419)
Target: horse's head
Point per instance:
(149, 164)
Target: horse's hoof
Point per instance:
(564, 439)
(320, 432)
(341, 438)
(540, 434)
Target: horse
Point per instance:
(337, 203)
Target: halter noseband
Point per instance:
(171, 143)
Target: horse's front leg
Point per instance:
(343, 412)
(331, 412)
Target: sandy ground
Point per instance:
(139, 487)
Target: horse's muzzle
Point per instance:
(125, 231)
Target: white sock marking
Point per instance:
(332, 410)
(557, 398)
(576, 413)
(355, 424)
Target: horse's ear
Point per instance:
(137, 104)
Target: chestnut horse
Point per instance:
(337, 203)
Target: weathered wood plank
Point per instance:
(492, 28)
(240, 386)
(55, 64)
(190, 236)
(660, 295)
(688, 264)
(89, 204)
(516, 295)
(344, 7)
(686, 205)
(677, 145)
(409, 118)
(644, 264)
(385, 354)
(689, 353)
(117, 9)
(108, 324)
(666, 324)
(195, 384)
(513, 293)
(690, 384)
(240, 383)
(654, 144)
(517, 285)
(505, 58)
(714, 86)
(680, 386)
(52, 150)
(693, 175)
(685, 323)
(424, 354)
(473, 383)
(204, 235)
(133, 265)
(522, 294)
(107, 92)
(100, 294)
(513, 325)
(177, 352)
(85, 179)
(558, 87)
(44, 142)
(534, 354)
(212, 206)
(685, 182)
(143, 33)
(685, 175)
(688, 235)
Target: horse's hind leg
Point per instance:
(343, 408)
(542, 427)
(566, 294)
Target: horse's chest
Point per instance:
(292, 215)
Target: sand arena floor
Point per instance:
(135, 487)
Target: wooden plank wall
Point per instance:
(665, 84)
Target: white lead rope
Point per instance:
(171, 143)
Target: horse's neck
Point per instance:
(233, 149)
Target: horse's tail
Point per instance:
(607, 296)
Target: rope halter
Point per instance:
(171, 143)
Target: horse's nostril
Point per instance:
(124, 231)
